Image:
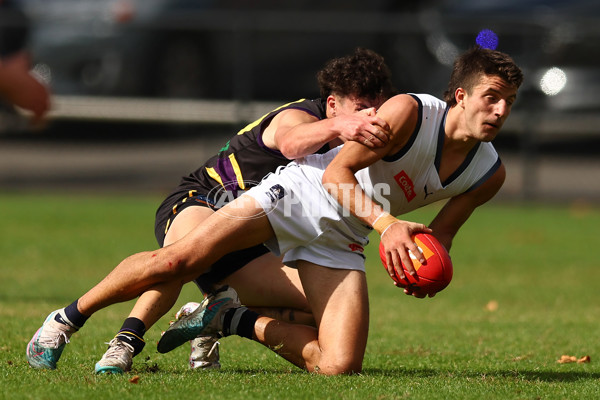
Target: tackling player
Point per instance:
(351, 87)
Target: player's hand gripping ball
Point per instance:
(432, 276)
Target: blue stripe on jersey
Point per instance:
(485, 177)
(413, 136)
(462, 166)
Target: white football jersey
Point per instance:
(410, 179)
(412, 175)
(311, 225)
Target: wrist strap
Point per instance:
(384, 221)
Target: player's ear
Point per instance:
(331, 103)
(459, 96)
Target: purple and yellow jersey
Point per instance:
(239, 165)
(244, 160)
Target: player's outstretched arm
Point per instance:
(19, 87)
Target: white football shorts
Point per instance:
(308, 223)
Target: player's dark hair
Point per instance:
(362, 74)
(478, 61)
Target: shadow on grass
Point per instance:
(526, 375)
(521, 375)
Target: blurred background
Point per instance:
(144, 91)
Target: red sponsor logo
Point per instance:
(356, 247)
(406, 185)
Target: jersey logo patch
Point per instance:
(276, 192)
(406, 185)
(356, 247)
(427, 193)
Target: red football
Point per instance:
(435, 274)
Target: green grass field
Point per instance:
(525, 292)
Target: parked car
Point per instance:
(262, 49)
(271, 49)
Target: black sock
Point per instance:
(239, 321)
(132, 332)
(73, 315)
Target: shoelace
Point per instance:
(213, 348)
(116, 347)
(205, 340)
(54, 335)
(53, 339)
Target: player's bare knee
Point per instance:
(345, 365)
(168, 265)
(338, 370)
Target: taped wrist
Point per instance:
(383, 222)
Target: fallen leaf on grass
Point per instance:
(492, 306)
(134, 379)
(564, 359)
